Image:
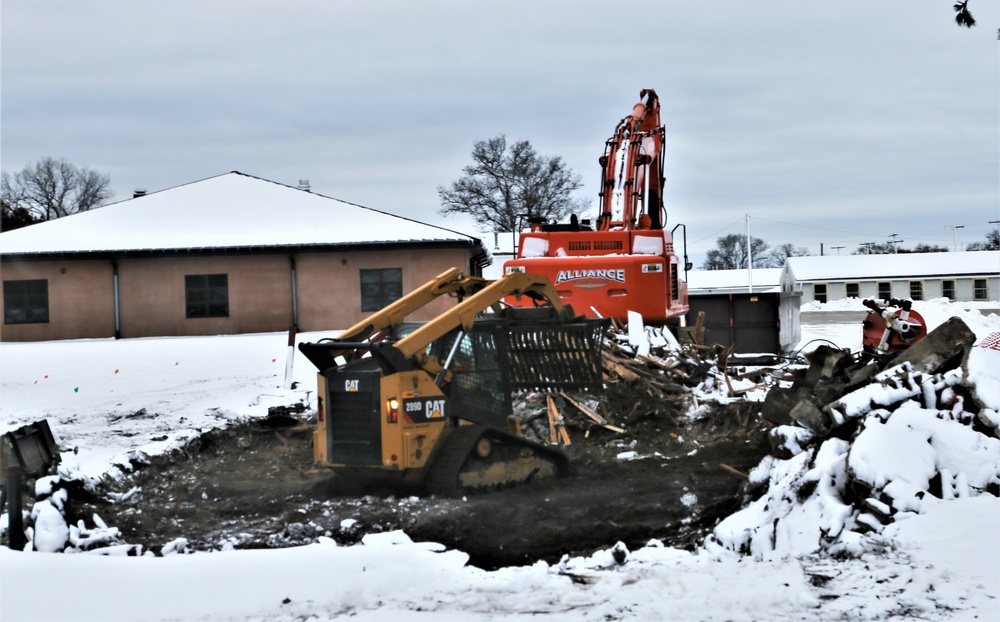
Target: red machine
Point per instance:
(890, 330)
(626, 262)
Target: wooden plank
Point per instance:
(699, 326)
(563, 434)
(553, 413)
(597, 418)
(664, 366)
(734, 471)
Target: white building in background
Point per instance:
(962, 277)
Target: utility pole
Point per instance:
(749, 259)
(954, 235)
(893, 242)
(837, 248)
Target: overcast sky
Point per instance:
(831, 123)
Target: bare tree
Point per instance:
(51, 189)
(14, 217)
(962, 15)
(926, 248)
(992, 242)
(780, 253)
(875, 248)
(507, 181)
(731, 253)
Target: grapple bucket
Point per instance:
(549, 355)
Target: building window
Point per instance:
(380, 287)
(884, 290)
(916, 290)
(948, 289)
(853, 290)
(207, 295)
(26, 302)
(980, 291)
(819, 292)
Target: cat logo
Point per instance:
(434, 409)
(351, 386)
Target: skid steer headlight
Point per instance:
(392, 410)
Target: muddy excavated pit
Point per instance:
(254, 485)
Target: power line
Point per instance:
(873, 235)
(792, 224)
(712, 235)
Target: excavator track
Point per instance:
(477, 457)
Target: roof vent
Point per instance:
(138, 192)
(304, 185)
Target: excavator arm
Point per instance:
(631, 169)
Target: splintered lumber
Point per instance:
(734, 471)
(599, 420)
(662, 365)
(722, 367)
(699, 325)
(619, 368)
(553, 413)
(563, 434)
(557, 430)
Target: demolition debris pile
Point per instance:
(653, 381)
(856, 444)
(856, 449)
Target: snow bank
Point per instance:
(391, 578)
(113, 401)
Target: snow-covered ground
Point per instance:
(797, 553)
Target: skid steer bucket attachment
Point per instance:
(556, 355)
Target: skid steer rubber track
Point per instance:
(476, 457)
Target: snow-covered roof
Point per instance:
(905, 265)
(728, 281)
(228, 211)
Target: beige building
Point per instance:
(228, 254)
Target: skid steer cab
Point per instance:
(429, 404)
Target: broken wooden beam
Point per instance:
(599, 420)
(553, 414)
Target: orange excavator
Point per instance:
(626, 261)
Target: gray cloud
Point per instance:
(826, 123)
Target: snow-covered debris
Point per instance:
(916, 441)
(982, 371)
